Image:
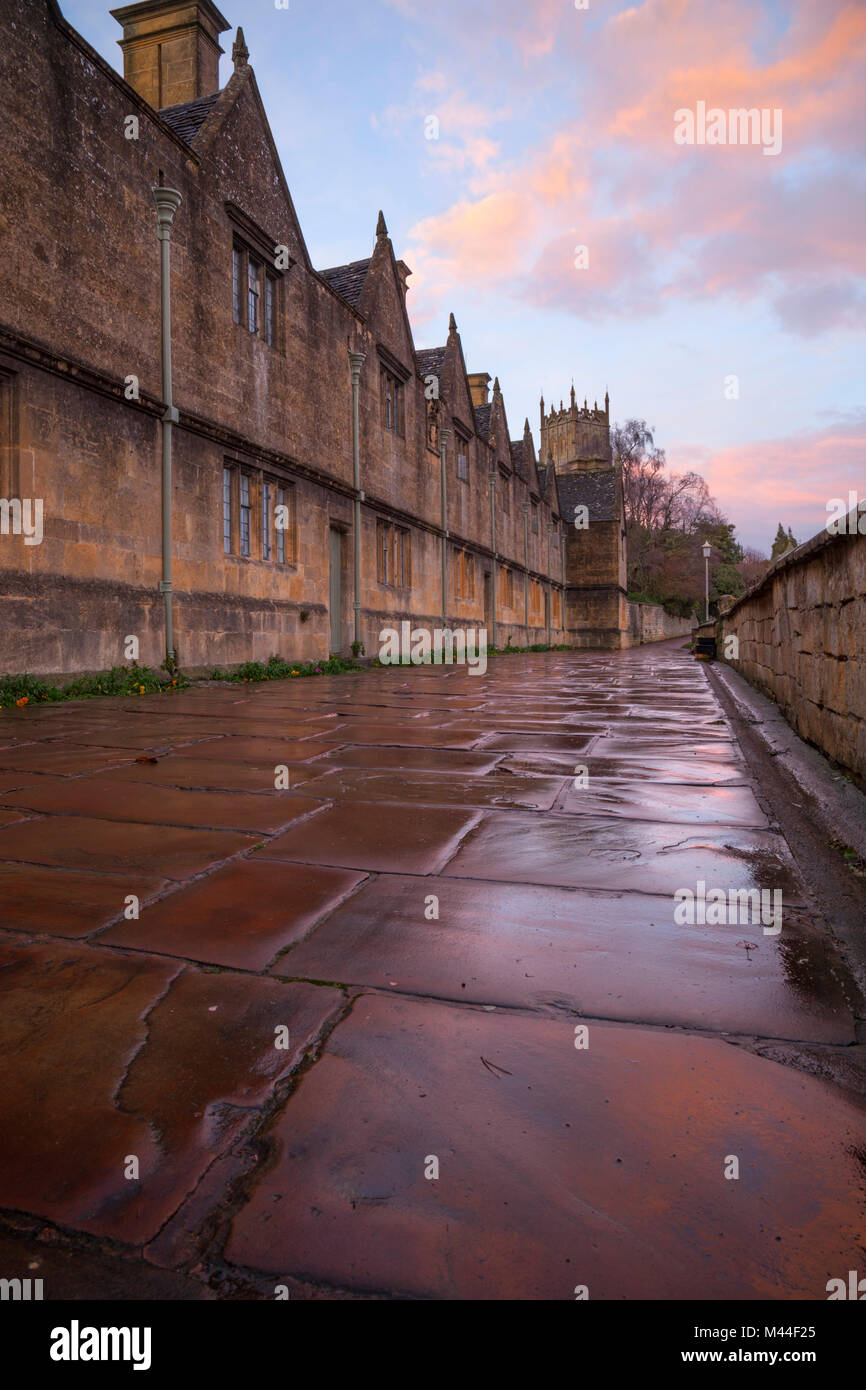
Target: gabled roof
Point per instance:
(348, 280)
(431, 361)
(482, 420)
(595, 490)
(187, 118)
(517, 455)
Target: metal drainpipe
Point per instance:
(549, 587)
(167, 201)
(526, 569)
(357, 361)
(493, 563)
(563, 539)
(444, 436)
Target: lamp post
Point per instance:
(707, 551)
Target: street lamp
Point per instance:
(707, 550)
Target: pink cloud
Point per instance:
(788, 479)
(664, 221)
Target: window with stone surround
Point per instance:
(270, 310)
(393, 410)
(464, 574)
(462, 443)
(506, 587)
(285, 523)
(259, 515)
(246, 514)
(228, 510)
(237, 283)
(392, 555)
(9, 484)
(254, 293)
(267, 519)
(254, 276)
(536, 603)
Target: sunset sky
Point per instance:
(555, 129)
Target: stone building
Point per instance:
(575, 445)
(273, 547)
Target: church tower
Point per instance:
(576, 438)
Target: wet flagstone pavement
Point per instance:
(332, 989)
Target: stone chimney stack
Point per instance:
(478, 386)
(171, 49)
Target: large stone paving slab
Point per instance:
(407, 735)
(600, 955)
(258, 750)
(558, 1167)
(77, 842)
(413, 760)
(66, 902)
(528, 743)
(120, 801)
(120, 1055)
(62, 759)
(209, 774)
(684, 770)
(438, 788)
(242, 915)
(689, 805)
(387, 839)
(643, 856)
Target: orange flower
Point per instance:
(25, 700)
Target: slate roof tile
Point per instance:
(187, 118)
(348, 280)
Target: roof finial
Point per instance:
(572, 391)
(381, 229)
(452, 324)
(496, 390)
(240, 52)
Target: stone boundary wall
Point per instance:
(801, 634)
(648, 622)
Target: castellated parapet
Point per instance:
(576, 438)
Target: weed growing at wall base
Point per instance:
(21, 691)
(276, 669)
